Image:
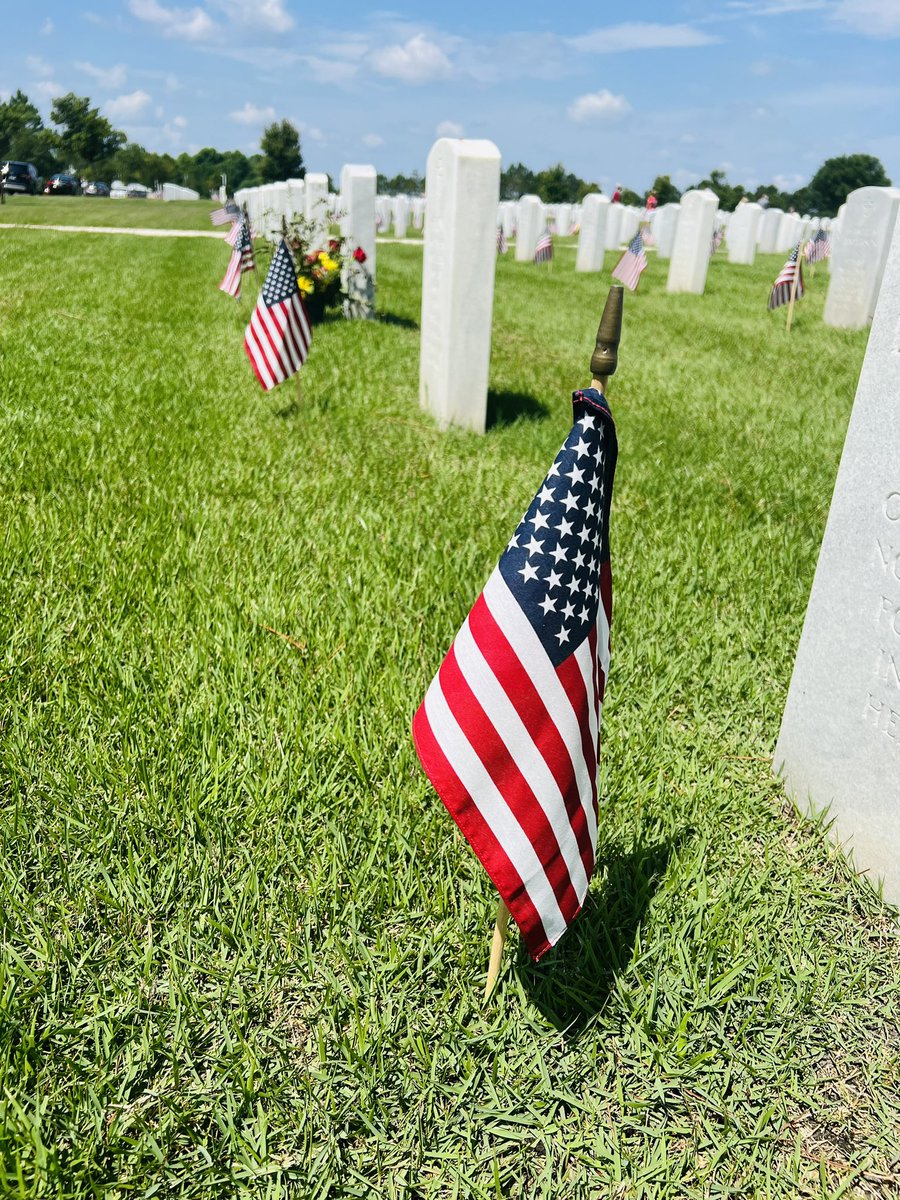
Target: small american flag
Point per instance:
(781, 288)
(241, 259)
(501, 240)
(543, 251)
(508, 732)
(221, 216)
(278, 336)
(629, 267)
(818, 247)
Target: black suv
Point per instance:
(20, 177)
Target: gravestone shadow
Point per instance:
(572, 981)
(387, 318)
(503, 408)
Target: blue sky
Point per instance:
(764, 89)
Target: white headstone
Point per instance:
(866, 228)
(418, 212)
(563, 219)
(296, 199)
(174, 191)
(508, 217)
(358, 227)
(460, 255)
(280, 207)
(400, 209)
(743, 229)
(769, 227)
(630, 223)
(529, 223)
(665, 222)
(613, 225)
(316, 195)
(789, 231)
(840, 737)
(592, 236)
(693, 236)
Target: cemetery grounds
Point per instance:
(242, 945)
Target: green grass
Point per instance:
(99, 210)
(241, 944)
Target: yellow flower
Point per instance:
(327, 262)
(305, 285)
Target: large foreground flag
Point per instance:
(781, 288)
(278, 336)
(632, 263)
(508, 731)
(241, 259)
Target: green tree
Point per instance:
(23, 137)
(282, 158)
(665, 190)
(837, 177)
(730, 194)
(517, 180)
(412, 185)
(632, 198)
(556, 185)
(86, 139)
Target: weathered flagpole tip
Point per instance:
(605, 358)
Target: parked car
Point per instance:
(97, 188)
(62, 185)
(137, 191)
(20, 177)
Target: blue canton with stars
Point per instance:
(552, 563)
(281, 279)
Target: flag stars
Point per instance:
(579, 560)
(581, 447)
(554, 471)
(587, 422)
(584, 614)
(528, 572)
(548, 604)
(545, 495)
(563, 635)
(533, 546)
(554, 579)
(568, 609)
(558, 554)
(540, 520)
(576, 474)
(570, 502)
(564, 527)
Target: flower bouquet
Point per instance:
(324, 276)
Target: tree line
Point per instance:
(83, 140)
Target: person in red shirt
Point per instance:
(651, 202)
(617, 194)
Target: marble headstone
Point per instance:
(693, 235)
(840, 736)
(529, 224)
(460, 256)
(592, 235)
(358, 227)
(742, 233)
(613, 225)
(769, 228)
(400, 209)
(316, 194)
(665, 222)
(867, 226)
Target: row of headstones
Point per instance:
(840, 737)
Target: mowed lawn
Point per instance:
(102, 211)
(242, 946)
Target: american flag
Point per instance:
(501, 240)
(508, 732)
(629, 267)
(221, 216)
(818, 247)
(543, 251)
(781, 288)
(241, 259)
(278, 336)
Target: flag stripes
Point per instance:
(781, 288)
(278, 336)
(632, 264)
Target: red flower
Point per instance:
(359, 254)
(314, 257)
(333, 244)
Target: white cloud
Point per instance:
(267, 14)
(878, 18)
(789, 183)
(598, 106)
(640, 35)
(190, 24)
(107, 77)
(125, 108)
(774, 8)
(418, 60)
(47, 89)
(761, 68)
(37, 65)
(252, 114)
(450, 129)
(179, 122)
(373, 140)
(47, 27)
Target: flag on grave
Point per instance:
(501, 240)
(818, 247)
(508, 732)
(632, 263)
(221, 216)
(241, 259)
(781, 288)
(278, 336)
(543, 251)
